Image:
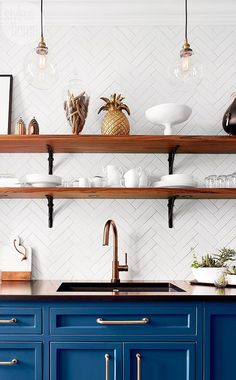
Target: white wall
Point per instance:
(131, 59)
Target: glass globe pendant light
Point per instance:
(39, 71)
(187, 70)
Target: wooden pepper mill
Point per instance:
(33, 128)
(20, 127)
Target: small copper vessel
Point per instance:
(20, 127)
(33, 127)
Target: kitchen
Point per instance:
(106, 48)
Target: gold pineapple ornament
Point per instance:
(115, 122)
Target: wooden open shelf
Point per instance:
(116, 193)
(117, 144)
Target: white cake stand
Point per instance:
(168, 114)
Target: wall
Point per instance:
(131, 59)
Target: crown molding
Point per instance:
(122, 12)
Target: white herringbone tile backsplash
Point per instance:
(133, 61)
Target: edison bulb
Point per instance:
(187, 69)
(40, 71)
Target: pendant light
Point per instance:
(187, 69)
(39, 71)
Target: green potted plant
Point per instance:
(208, 268)
(231, 275)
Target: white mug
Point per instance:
(143, 179)
(113, 175)
(81, 182)
(97, 181)
(132, 177)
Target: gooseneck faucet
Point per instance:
(116, 267)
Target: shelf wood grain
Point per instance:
(117, 144)
(116, 193)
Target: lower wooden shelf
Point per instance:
(115, 193)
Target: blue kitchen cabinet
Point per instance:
(220, 341)
(165, 361)
(86, 361)
(20, 360)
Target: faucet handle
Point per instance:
(124, 268)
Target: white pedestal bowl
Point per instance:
(168, 114)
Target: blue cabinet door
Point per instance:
(220, 341)
(86, 361)
(164, 361)
(20, 361)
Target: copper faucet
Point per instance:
(116, 267)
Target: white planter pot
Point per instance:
(207, 275)
(231, 279)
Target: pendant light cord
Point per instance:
(42, 34)
(186, 20)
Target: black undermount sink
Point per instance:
(137, 287)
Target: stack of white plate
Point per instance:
(8, 180)
(39, 180)
(175, 181)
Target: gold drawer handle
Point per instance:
(107, 358)
(13, 320)
(143, 321)
(12, 362)
(138, 356)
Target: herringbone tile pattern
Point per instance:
(133, 61)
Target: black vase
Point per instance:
(229, 119)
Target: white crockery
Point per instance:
(168, 114)
(177, 177)
(45, 180)
(231, 278)
(132, 177)
(113, 175)
(143, 179)
(81, 182)
(97, 181)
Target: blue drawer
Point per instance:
(20, 361)
(161, 320)
(19, 320)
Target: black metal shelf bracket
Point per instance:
(50, 159)
(50, 210)
(171, 203)
(171, 159)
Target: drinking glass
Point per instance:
(210, 181)
(221, 181)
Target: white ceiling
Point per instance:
(125, 12)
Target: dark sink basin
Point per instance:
(138, 287)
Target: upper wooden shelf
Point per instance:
(116, 193)
(117, 144)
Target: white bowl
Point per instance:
(177, 177)
(168, 114)
(207, 275)
(45, 180)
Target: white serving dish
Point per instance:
(207, 275)
(177, 177)
(231, 278)
(174, 185)
(45, 180)
(168, 114)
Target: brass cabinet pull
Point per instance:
(107, 358)
(12, 362)
(138, 356)
(143, 321)
(13, 320)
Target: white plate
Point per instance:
(39, 180)
(176, 186)
(183, 178)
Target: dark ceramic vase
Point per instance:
(229, 119)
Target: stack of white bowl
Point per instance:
(8, 180)
(176, 180)
(43, 180)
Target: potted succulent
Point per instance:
(208, 268)
(231, 275)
